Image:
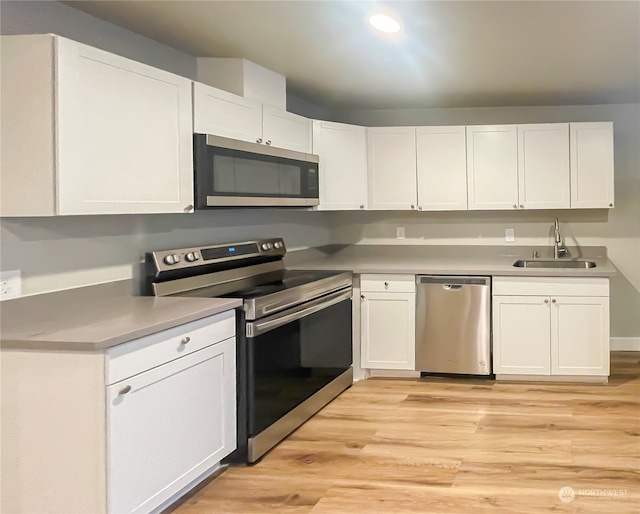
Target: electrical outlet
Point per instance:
(10, 284)
(399, 232)
(509, 235)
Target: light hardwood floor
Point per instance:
(451, 446)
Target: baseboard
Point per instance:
(392, 373)
(625, 344)
(553, 378)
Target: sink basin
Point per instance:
(554, 264)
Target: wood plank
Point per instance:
(449, 445)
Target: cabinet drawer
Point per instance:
(545, 286)
(153, 350)
(389, 283)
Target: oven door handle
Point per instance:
(257, 328)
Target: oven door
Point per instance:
(294, 354)
(236, 173)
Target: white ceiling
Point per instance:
(449, 54)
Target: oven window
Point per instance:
(240, 176)
(290, 363)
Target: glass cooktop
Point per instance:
(292, 278)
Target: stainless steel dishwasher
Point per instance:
(453, 324)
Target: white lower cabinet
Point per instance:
(579, 335)
(521, 335)
(388, 330)
(123, 430)
(551, 326)
(167, 426)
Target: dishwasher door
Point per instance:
(453, 325)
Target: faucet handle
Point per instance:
(535, 254)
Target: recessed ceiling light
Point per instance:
(384, 23)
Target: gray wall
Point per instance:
(26, 17)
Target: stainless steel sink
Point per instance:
(554, 264)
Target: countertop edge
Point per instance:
(606, 270)
(105, 344)
(487, 273)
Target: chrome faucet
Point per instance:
(559, 249)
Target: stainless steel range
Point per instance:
(294, 331)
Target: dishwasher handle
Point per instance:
(453, 283)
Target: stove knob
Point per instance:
(191, 256)
(267, 246)
(278, 244)
(176, 258)
(169, 259)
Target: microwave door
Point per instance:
(239, 178)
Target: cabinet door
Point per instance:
(492, 167)
(543, 166)
(343, 165)
(441, 168)
(224, 114)
(391, 157)
(591, 165)
(521, 335)
(169, 425)
(388, 330)
(124, 135)
(579, 335)
(285, 130)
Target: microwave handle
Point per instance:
(257, 328)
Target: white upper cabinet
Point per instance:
(343, 165)
(441, 168)
(113, 136)
(591, 165)
(492, 167)
(220, 113)
(224, 114)
(543, 166)
(391, 154)
(285, 130)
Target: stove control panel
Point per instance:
(213, 254)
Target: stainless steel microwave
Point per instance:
(232, 173)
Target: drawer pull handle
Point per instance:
(546, 301)
(185, 340)
(553, 301)
(386, 284)
(362, 296)
(124, 390)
